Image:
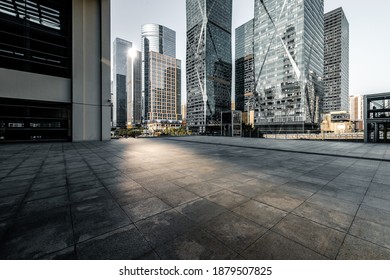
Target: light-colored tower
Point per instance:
(336, 66)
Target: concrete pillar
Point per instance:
(91, 70)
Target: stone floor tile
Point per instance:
(227, 199)
(353, 197)
(383, 204)
(203, 189)
(36, 236)
(273, 246)
(38, 206)
(358, 249)
(65, 254)
(166, 226)
(123, 244)
(234, 231)
(340, 205)
(280, 201)
(93, 184)
(195, 245)
(370, 231)
(325, 216)
(158, 187)
(375, 215)
(89, 195)
(48, 193)
(177, 197)
(200, 210)
(98, 223)
(323, 240)
(145, 208)
(260, 213)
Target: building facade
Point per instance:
(208, 63)
(245, 71)
(134, 88)
(356, 110)
(164, 104)
(55, 70)
(121, 51)
(158, 39)
(289, 59)
(336, 62)
(377, 118)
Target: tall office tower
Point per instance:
(336, 66)
(134, 88)
(209, 67)
(159, 39)
(55, 70)
(165, 92)
(289, 63)
(120, 55)
(244, 63)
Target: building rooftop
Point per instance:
(195, 198)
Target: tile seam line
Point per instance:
(281, 150)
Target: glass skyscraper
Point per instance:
(120, 55)
(244, 63)
(336, 68)
(134, 88)
(289, 57)
(208, 60)
(161, 74)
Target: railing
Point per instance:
(356, 136)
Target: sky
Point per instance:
(369, 26)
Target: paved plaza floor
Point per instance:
(195, 198)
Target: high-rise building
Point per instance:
(289, 64)
(336, 62)
(244, 66)
(208, 63)
(55, 70)
(121, 49)
(161, 73)
(134, 88)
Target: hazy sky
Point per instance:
(369, 25)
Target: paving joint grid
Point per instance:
(354, 218)
(17, 166)
(69, 205)
(279, 150)
(16, 214)
(151, 247)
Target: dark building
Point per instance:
(121, 52)
(377, 118)
(244, 66)
(54, 70)
(208, 61)
(336, 64)
(134, 88)
(289, 64)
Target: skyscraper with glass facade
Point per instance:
(208, 62)
(161, 73)
(134, 88)
(336, 66)
(289, 59)
(121, 50)
(244, 66)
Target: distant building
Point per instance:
(289, 55)
(121, 49)
(377, 118)
(134, 88)
(164, 98)
(337, 122)
(336, 62)
(161, 74)
(208, 63)
(244, 65)
(356, 110)
(55, 70)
